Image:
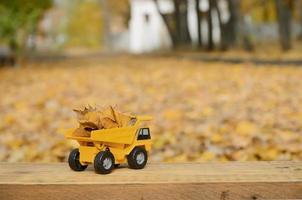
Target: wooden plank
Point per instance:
(212, 180)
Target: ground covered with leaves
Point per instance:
(202, 111)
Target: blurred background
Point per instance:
(222, 78)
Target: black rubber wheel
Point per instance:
(104, 162)
(138, 158)
(74, 161)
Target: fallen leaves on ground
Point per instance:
(201, 111)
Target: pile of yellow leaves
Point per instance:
(201, 111)
(92, 119)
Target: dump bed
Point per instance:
(69, 135)
(123, 135)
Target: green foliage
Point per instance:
(19, 18)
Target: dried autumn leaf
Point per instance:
(92, 119)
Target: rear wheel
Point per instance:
(74, 161)
(137, 159)
(104, 162)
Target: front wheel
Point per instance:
(137, 159)
(104, 162)
(74, 161)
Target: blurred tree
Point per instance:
(232, 26)
(181, 20)
(115, 13)
(262, 11)
(18, 20)
(84, 25)
(210, 25)
(284, 13)
(177, 23)
(246, 24)
(199, 19)
(299, 8)
(265, 14)
(169, 22)
(238, 29)
(106, 23)
(229, 30)
(221, 25)
(120, 9)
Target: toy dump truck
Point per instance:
(107, 148)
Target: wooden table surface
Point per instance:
(211, 180)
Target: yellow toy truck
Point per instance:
(107, 148)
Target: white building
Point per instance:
(147, 31)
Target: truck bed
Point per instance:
(124, 135)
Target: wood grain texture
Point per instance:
(212, 180)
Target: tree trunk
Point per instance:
(265, 13)
(181, 22)
(299, 6)
(241, 26)
(198, 13)
(13, 57)
(106, 24)
(223, 42)
(232, 26)
(210, 26)
(177, 23)
(246, 31)
(229, 30)
(168, 25)
(18, 50)
(284, 21)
